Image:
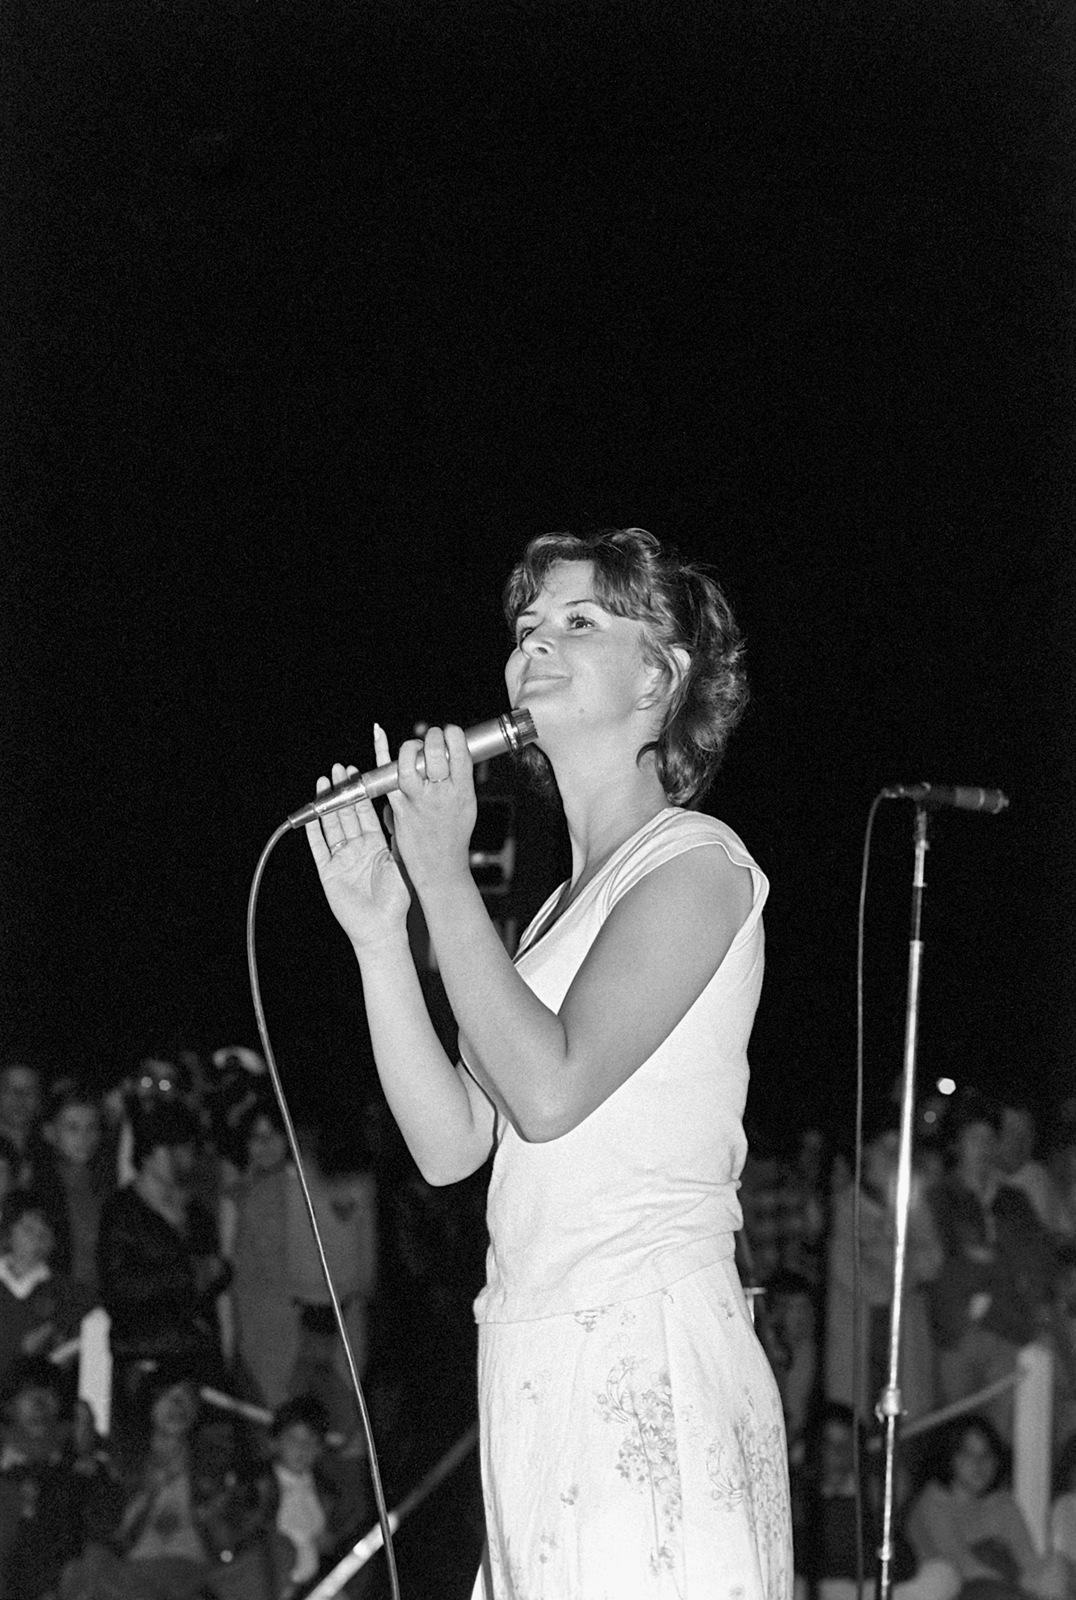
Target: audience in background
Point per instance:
(158, 1261)
(1016, 1159)
(20, 1117)
(992, 1293)
(265, 1313)
(175, 1506)
(304, 1500)
(860, 1383)
(792, 1344)
(1061, 1175)
(966, 1515)
(74, 1178)
(345, 1205)
(45, 1477)
(38, 1308)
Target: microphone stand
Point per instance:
(890, 1405)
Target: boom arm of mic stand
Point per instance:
(890, 1403)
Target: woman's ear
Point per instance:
(665, 680)
(682, 662)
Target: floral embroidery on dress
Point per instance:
(766, 1467)
(728, 1490)
(547, 1543)
(647, 1456)
(589, 1319)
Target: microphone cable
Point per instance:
(857, 1211)
(289, 1128)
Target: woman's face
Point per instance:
(576, 665)
(974, 1463)
(266, 1146)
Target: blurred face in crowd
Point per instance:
(31, 1240)
(158, 1080)
(793, 1315)
(298, 1447)
(20, 1098)
(174, 1410)
(977, 1152)
(77, 1132)
(975, 1465)
(266, 1147)
(170, 1164)
(1017, 1140)
(838, 1457)
(880, 1163)
(34, 1410)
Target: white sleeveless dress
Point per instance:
(632, 1440)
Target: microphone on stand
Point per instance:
(486, 739)
(934, 796)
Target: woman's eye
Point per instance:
(522, 634)
(577, 619)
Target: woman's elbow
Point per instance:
(546, 1120)
(439, 1168)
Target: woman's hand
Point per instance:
(362, 882)
(433, 813)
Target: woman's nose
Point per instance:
(536, 642)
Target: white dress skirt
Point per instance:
(635, 1451)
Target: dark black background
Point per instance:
(315, 311)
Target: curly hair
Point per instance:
(680, 607)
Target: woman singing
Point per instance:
(632, 1443)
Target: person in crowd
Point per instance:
(265, 1314)
(1062, 1332)
(1061, 1181)
(158, 1260)
(155, 1085)
(992, 1293)
(789, 1307)
(10, 1167)
(783, 1218)
(38, 1308)
(20, 1117)
(1016, 1160)
(1063, 1505)
(857, 1378)
(303, 1497)
(182, 1516)
(345, 1205)
(45, 1479)
(75, 1179)
(840, 1540)
(632, 1437)
(966, 1515)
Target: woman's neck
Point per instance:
(603, 808)
(601, 823)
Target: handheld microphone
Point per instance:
(934, 795)
(486, 739)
